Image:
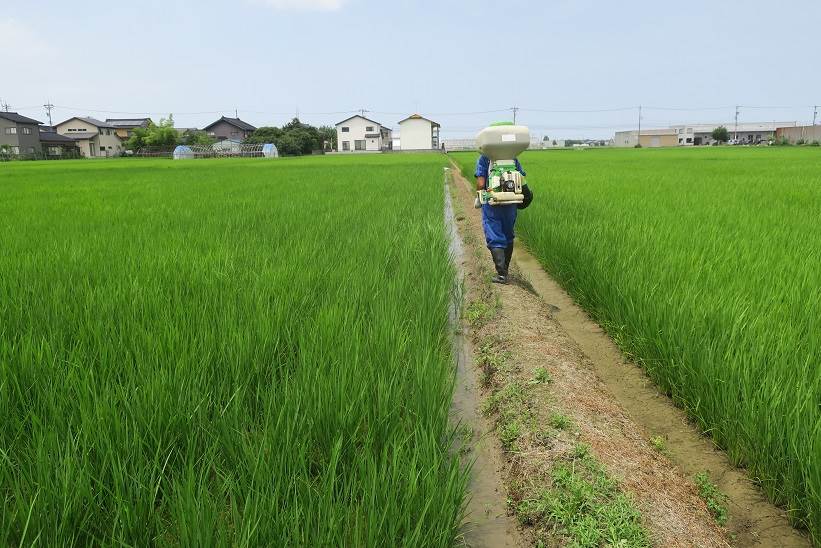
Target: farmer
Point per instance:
(498, 221)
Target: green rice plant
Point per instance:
(705, 265)
(200, 353)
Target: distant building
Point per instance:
(229, 128)
(459, 144)
(651, 138)
(95, 138)
(746, 132)
(795, 134)
(19, 135)
(552, 143)
(360, 134)
(124, 127)
(56, 146)
(418, 133)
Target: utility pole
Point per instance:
(515, 111)
(4, 105)
(362, 111)
(236, 114)
(735, 132)
(638, 135)
(814, 114)
(48, 106)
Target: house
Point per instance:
(649, 138)
(124, 127)
(19, 135)
(95, 138)
(418, 133)
(229, 128)
(360, 134)
(56, 146)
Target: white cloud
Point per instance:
(304, 5)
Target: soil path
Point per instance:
(486, 522)
(616, 408)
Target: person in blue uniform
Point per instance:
(498, 221)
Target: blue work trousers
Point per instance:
(497, 222)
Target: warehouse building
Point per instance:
(747, 133)
(799, 134)
(651, 138)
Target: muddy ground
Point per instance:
(615, 409)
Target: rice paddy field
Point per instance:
(226, 352)
(705, 266)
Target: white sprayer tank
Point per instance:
(503, 142)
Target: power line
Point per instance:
(577, 111)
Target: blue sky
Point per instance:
(449, 59)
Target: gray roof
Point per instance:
(14, 117)
(359, 116)
(90, 120)
(128, 123)
(54, 137)
(80, 135)
(236, 122)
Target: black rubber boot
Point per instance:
(508, 255)
(498, 254)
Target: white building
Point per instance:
(653, 138)
(459, 144)
(95, 139)
(418, 133)
(747, 132)
(360, 134)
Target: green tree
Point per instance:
(293, 139)
(196, 138)
(327, 136)
(721, 134)
(264, 135)
(162, 135)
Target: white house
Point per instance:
(360, 134)
(418, 133)
(95, 139)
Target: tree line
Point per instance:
(293, 139)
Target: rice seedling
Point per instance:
(202, 353)
(704, 264)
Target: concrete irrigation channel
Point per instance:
(616, 410)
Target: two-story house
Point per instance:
(418, 133)
(95, 138)
(360, 134)
(229, 128)
(124, 127)
(19, 135)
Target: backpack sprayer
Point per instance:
(501, 143)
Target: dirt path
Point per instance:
(615, 407)
(486, 523)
